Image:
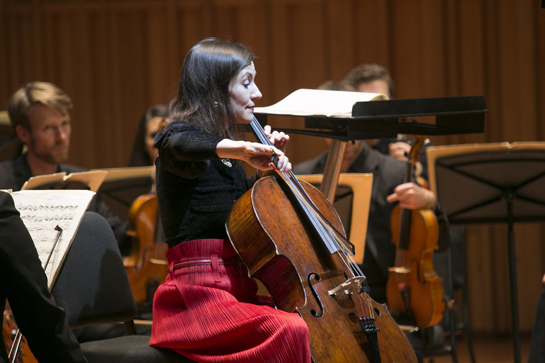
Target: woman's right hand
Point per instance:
(257, 155)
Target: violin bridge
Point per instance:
(348, 286)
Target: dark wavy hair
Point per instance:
(139, 155)
(203, 95)
(368, 73)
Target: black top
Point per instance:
(196, 190)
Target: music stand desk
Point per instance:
(374, 118)
(122, 186)
(491, 183)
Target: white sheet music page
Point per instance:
(52, 217)
(309, 102)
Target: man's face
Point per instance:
(49, 136)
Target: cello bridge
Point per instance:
(348, 286)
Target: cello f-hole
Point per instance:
(320, 313)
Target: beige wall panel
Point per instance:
(340, 36)
(373, 26)
(516, 60)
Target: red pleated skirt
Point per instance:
(208, 312)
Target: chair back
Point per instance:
(92, 285)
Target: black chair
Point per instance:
(93, 288)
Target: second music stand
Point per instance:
(492, 183)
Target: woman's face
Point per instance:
(244, 93)
(152, 127)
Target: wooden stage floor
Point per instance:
(488, 349)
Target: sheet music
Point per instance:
(308, 102)
(43, 212)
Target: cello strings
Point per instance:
(329, 235)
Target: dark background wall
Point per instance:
(117, 57)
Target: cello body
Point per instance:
(146, 265)
(9, 330)
(281, 250)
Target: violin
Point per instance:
(146, 264)
(17, 352)
(291, 238)
(414, 291)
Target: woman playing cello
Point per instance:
(208, 309)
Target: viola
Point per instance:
(18, 352)
(291, 239)
(414, 291)
(146, 264)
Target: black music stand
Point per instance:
(492, 183)
(122, 186)
(372, 120)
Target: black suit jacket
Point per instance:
(387, 174)
(24, 283)
(380, 252)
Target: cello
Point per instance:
(146, 264)
(281, 229)
(15, 344)
(414, 291)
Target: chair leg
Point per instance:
(130, 326)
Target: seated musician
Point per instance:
(208, 309)
(376, 79)
(143, 152)
(39, 113)
(24, 283)
(388, 188)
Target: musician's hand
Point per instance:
(413, 196)
(399, 150)
(278, 139)
(256, 154)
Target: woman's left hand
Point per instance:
(278, 139)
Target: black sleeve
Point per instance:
(24, 283)
(184, 149)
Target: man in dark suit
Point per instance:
(388, 187)
(24, 283)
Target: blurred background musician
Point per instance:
(375, 78)
(143, 151)
(39, 113)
